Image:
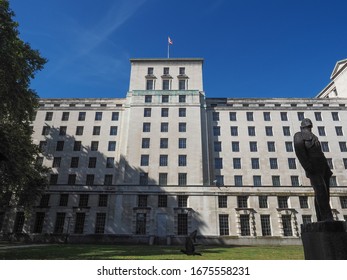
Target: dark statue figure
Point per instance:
(310, 154)
(190, 244)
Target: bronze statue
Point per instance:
(310, 154)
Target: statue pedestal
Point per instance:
(325, 240)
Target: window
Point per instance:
(343, 201)
(182, 160)
(162, 200)
(255, 163)
(64, 199)
(53, 180)
(103, 199)
(267, 116)
(338, 130)
(90, 179)
(92, 162)
(142, 200)
(59, 223)
(60, 146)
(251, 131)
(321, 130)
(71, 180)
(284, 116)
(289, 146)
(276, 181)
(218, 163)
(291, 163)
(306, 219)
(164, 112)
(182, 112)
(166, 84)
(325, 146)
(111, 145)
(182, 143)
(164, 143)
(222, 201)
(56, 162)
(39, 219)
(271, 146)
(282, 201)
(182, 84)
(265, 225)
(245, 226)
(286, 130)
(182, 127)
(164, 98)
(234, 131)
(330, 163)
(65, 116)
(223, 224)
(242, 201)
(250, 116)
(94, 145)
(143, 178)
(19, 222)
(83, 201)
(45, 130)
(182, 201)
(163, 179)
(345, 163)
(77, 145)
(318, 116)
(100, 222)
(115, 116)
(182, 71)
(238, 180)
(141, 223)
(182, 179)
(96, 130)
(301, 116)
(263, 201)
(49, 116)
(164, 127)
(235, 146)
(44, 200)
(253, 147)
(256, 180)
(42, 146)
(333, 181)
(217, 146)
(163, 159)
(215, 116)
(110, 162)
(113, 130)
(147, 112)
(287, 225)
(181, 98)
(62, 130)
(144, 160)
(237, 163)
(148, 98)
(108, 179)
(303, 201)
(182, 224)
(79, 223)
(79, 130)
(98, 116)
(146, 127)
(150, 71)
(343, 146)
(82, 116)
(268, 131)
(294, 181)
(216, 131)
(146, 143)
(232, 116)
(335, 116)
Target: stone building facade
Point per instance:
(166, 160)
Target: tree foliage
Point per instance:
(19, 175)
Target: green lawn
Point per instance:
(146, 252)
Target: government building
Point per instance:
(167, 160)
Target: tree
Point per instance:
(20, 177)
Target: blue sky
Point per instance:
(252, 48)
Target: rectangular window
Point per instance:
(79, 130)
(182, 112)
(71, 180)
(255, 163)
(83, 200)
(295, 181)
(163, 179)
(325, 146)
(147, 112)
(65, 116)
(235, 146)
(77, 146)
(256, 180)
(265, 225)
(164, 143)
(321, 130)
(217, 146)
(182, 224)
(59, 223)
(289, 146)
(263, 201)
(144, 160)
(90, 179)
(82, 116)
(222, 201)
(250, 116)
(343, 146)
(216, 131)
(142, 200)
(108, 179)
(148, 98)
(45, 130)
(103, 199)
(56, 162)
(182, 201)
(143, 178)
(251, 131)
(96, 130)
(162, 200)
(92, 162)
(330, 163)
(301, 116)
(182, 160)
(238, 180)
(271, 146)
(163, 160)
(276, 181)
(335, 116)
(164, 112)
(62, 130)
(242, 201)
(141, 219)
(303, 201)
(286, 130)
(49, 116)
(333, 181)
(165, 98)
(164, 127)
(94, 145)
(146, 127)
(284, 116)
(267, 116)
(182, 127)
(218, 163)
(237, 163)
(111, 145)
(234, 131)
(181, 84)
(245, 226)
(318, 116)
(182, 143)
(110, 162)
(282, 201)
(287, 225)
(113, 130)
(339, 131)
(223, 224)
(215, 116)
(42, 146)
(253, 147)
(268, 131)
(291, 163)
(150, 71)
(306, 219)
(166, 84)
(44, 200)
(343, 201)
(232, 116)
(39, 220)
(64, 199)
(115, 116)
(273, 163)
(100, 222)
(345, 163)
(182, 179)
(182, 98)
(98, 116)
(79, 224)
(145, 143)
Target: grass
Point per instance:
(146, 252)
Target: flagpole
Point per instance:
(168, 50)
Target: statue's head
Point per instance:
(306, 123)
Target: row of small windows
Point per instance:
(82, 116)
(164, 143)
(166, 71)
(77, 146)
(165, 98)
(108, 179)
(267, 116)
(234, 131)
(164, 127)
(257, 180)
(163, 160)
(79, 130)
(182, 112)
